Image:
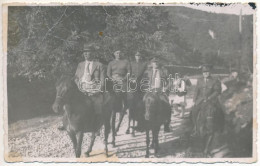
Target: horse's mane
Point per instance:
(68, 80)
(64, 78)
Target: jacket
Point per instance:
(97, 72)
(209, 90)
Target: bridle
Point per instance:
(59, 98)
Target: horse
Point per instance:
(79, 116)
(119, 105)
(134, 100)
(208, 119)
(155, 114)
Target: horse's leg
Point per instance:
(133, 130)
(129, 121)
(120, 120)
(152, 145)
(107, 130)
(121, 116)
(93, 137)
(79, 137)
(208, 141)
(147, 143)
(156, 141)
(74, 140)
(113, 127)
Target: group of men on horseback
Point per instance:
(91, 79)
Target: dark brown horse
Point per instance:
(79, 116)
(119, 105)
(134, 100)
(155, 115)
(208, 119)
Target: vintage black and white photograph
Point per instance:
(130, 83)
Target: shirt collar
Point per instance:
(88, 61)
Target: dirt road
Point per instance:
(48, 141)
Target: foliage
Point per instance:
(47, 41)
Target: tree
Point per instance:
(47, 41)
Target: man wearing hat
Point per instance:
(118, 70)
(207, 90)
(90, 77)
(134, 97)
(90, 72)
(138, 67)
(232, 83)
(158, 78)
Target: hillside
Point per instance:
(214, 34)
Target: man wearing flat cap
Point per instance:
(138, 67)
(134, 97)
(118, 70)
(207, 90)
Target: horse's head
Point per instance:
(151, 105)
(63, 85)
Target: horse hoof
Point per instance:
(205, 155)
(127, 132)
(87, 154)
(113, 144)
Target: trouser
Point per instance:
(202, 118)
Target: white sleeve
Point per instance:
(182, 86)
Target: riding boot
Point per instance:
(140, 127)
(167, 127)
(61, 128)
(194, 132)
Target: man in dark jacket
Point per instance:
(207, 90)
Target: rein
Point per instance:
(66, 113)
(68, 120)
(59, 97)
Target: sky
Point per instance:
(231, 9)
